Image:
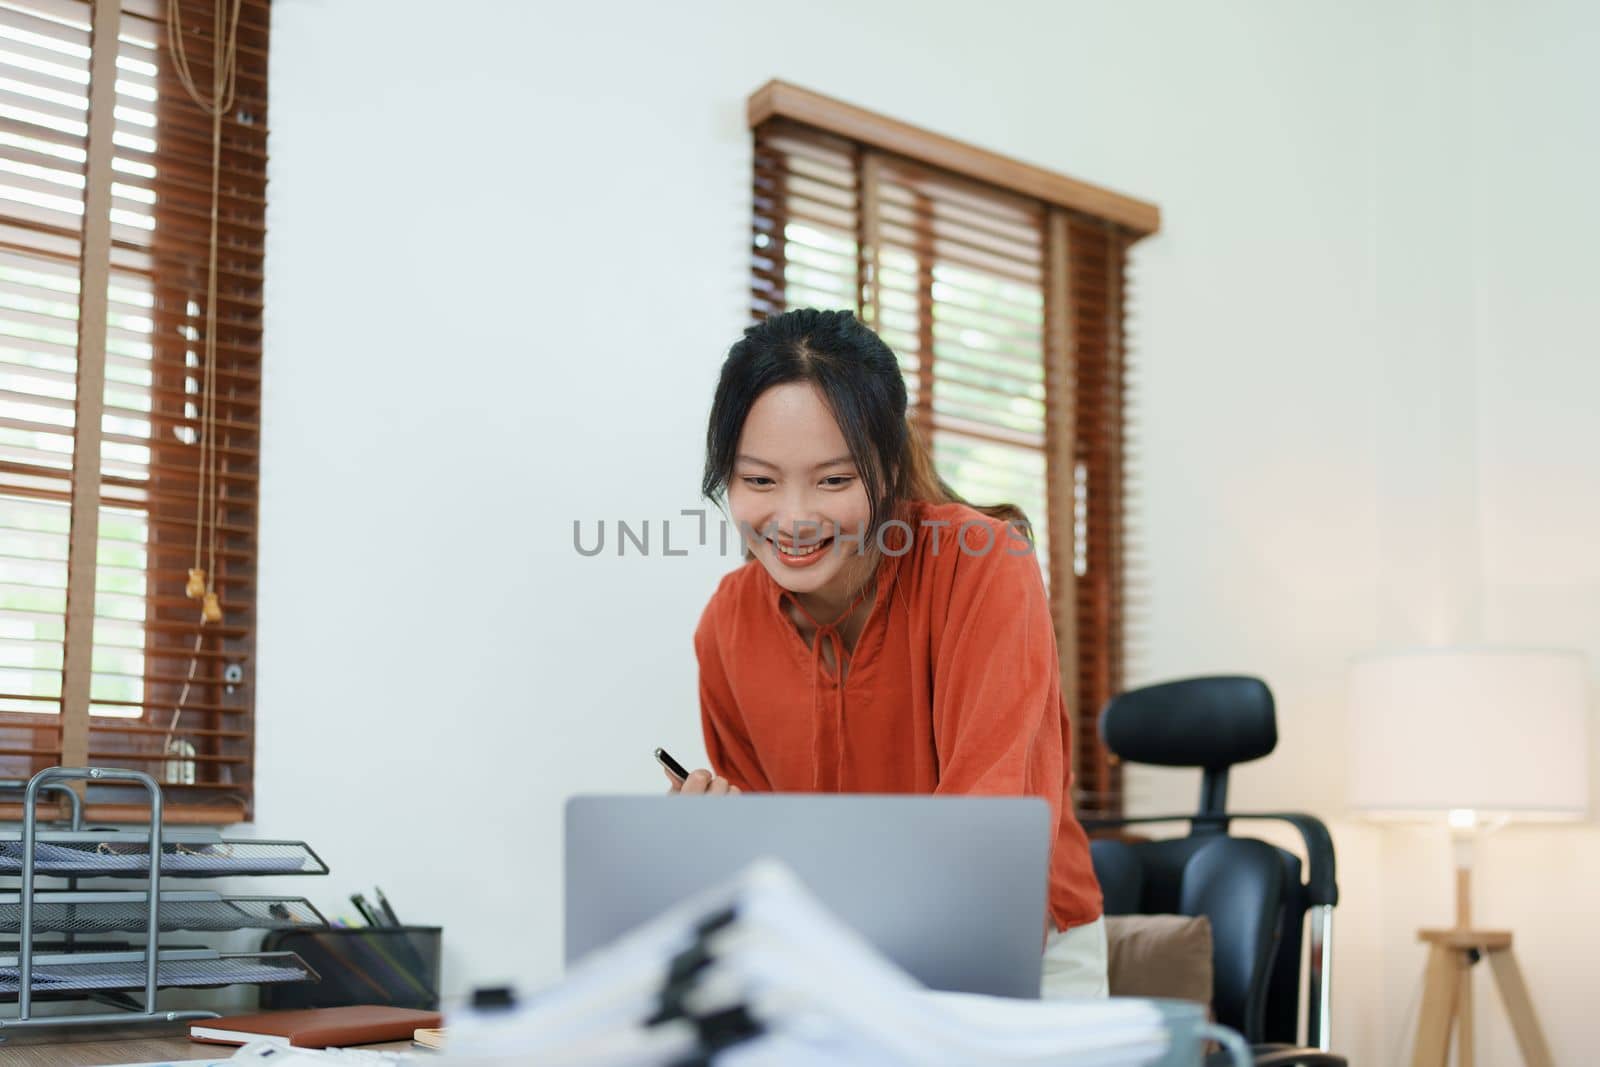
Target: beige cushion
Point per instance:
(1159, 956)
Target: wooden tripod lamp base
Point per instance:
(1428, 729)
(1447, 990)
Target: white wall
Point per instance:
(569, 187)
(1536, 225)
(1482, 498)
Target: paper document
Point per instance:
(759, 974)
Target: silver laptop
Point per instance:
(950, 888)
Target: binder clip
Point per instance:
(686, 965)
(493, 998)
(720, 1031)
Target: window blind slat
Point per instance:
(41, 194)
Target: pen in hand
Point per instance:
(693, 783)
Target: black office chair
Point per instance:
(1252, 892)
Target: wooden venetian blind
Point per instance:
(105, 201)
(1001, 287)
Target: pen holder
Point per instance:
(395, 966)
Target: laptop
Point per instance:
(952, 889)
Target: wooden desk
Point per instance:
(131, 1050)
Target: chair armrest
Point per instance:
(1280, 1056)
(1288, 1056)
(1322, 886)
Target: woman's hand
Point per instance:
(701, 782)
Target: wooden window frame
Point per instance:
(1087, 232)
(213, 662)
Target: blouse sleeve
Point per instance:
(998, 715)
(727, 741)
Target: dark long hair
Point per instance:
(860, 381)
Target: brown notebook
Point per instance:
(317, 1027)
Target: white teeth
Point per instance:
(797, 553)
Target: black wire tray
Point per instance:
(110, 912)
(122, 854)
(126, 970)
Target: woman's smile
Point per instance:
(800, 554)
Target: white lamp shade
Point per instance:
(1499, 732)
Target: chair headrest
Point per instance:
(1197, 722)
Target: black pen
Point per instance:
(365, 909)
(383, 906)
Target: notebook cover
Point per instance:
(319, 1027)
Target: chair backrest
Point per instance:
(1236, 883)
(1211, 723)
(1252, 892)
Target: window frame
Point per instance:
(210, 665)
(1086, 233)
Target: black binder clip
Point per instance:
(493, 998)
(718, 1032)
(682, 974)
(716, 921)
(686, 967)
(726, 1028)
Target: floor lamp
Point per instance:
(1471, 738)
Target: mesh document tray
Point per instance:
(126, 971)
(184, 854)
(102, 913)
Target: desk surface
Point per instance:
(130, 1050)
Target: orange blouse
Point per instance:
(954, 686)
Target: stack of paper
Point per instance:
(758, 973)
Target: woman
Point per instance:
(883, 636)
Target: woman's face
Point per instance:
(795, 489)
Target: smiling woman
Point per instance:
(870, 586)
(810, 444)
